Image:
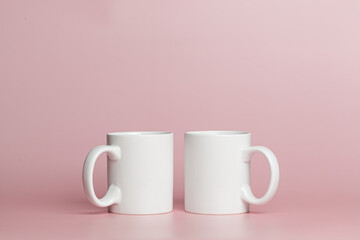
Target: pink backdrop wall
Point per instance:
(71, 71)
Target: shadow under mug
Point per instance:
(139, 173)
(217, 172)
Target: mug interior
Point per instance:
(138, 133)
(221, 133)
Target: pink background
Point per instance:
(287, 71)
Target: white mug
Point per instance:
(217, 172)
(139, 172)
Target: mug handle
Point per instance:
(113, 194)
(246, 192)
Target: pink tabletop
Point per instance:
(80, 220)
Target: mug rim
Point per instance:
(139, 133)
(218, 133)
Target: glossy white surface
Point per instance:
(217, 172)
(140, 173)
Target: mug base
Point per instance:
(142, 213)
(216, 212)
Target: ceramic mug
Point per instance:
(217, 172)
(139, 173)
